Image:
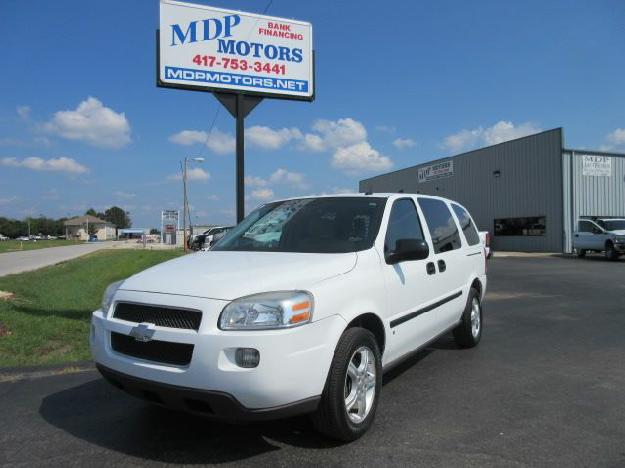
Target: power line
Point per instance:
(218, 109)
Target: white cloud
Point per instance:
(268, 138)
(254, 181)
(617, 137)
(313, 142)
(188, 137)
(218, 142)
(347, 139)
(195, 173)
(480, 136)
(262, 194)
(282, 176)
(403, 143)
(124, 195)
(62, 164)
(359, 158)
(92, 123)
(23, 112)
(336, 133)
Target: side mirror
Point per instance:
(408, 249)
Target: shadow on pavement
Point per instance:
(100, 414)
(103, 415)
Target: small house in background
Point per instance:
(82, 227)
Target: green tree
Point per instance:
(118, 217)
(155, 231)
(91, 212)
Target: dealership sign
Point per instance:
(212, 49)
(598, 166)
(435, 171)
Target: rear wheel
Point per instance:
(610, 251)
(350, 397)
(468, 333)
(581, 253)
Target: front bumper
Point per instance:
(294, 363)
(219, 405)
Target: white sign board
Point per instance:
(598, 166)
(435, 171)
(211, 49)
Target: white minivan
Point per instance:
(298, 309)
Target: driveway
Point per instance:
(18, 262)
(545, 387)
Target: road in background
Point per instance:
(18, 262)
(545, 387)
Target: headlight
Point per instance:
(282, 309)
(620, 239)
(107, 299)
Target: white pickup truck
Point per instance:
(600, 235)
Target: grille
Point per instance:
(160, 316)
(178, 354)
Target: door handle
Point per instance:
(441, 266)
(430, 268)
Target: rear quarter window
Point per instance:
(466, 224)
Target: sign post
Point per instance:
(240, 57)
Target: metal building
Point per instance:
(528, 193)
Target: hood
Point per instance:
(618, 232)
(230, 275)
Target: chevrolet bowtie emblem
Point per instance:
(143, 332)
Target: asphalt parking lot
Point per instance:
(545, 387)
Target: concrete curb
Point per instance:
(15, 374)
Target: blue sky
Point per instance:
(397, 84)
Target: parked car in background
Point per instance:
(216, 237)
(600, 235)
(300, 308)
(93, 238)
(485, 238)
(3, 238)
(205, 240)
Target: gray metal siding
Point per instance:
(530, 184)
(594, 195)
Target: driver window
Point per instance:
(403, 223)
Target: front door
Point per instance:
(410, 285)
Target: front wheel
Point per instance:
(469, 331)
(610, 252)
(352, 390)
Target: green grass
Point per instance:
(48, 319)
(15, 245)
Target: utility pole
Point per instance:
(185, 199)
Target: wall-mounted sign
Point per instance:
(211, 49)
(597, 166)
(435, 171)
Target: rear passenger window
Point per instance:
(402, 224)
(443, 229)
(585, 226)
(466, 224)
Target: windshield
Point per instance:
(308, 225)
(614, 224)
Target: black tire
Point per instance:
(331, 416)
(463, 333)
(581, 253)
(610, 252)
